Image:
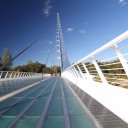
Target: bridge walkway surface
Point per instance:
(49, 104)
(7, 86)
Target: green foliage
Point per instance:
(5, 58)
(55, 70)
(112, 70)
(31, 67)
(38, 68)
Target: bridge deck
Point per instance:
(8, 86)
(50, 104)
(104, 116)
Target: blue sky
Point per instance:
(86, 25)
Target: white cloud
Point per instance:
(47, 8)
(50, 42)
(122, 2)
(82, 31)
(70, 30)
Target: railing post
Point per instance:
(1, 74)
(6, 74)
(99, 71)
(23, 74)
(11, 74)
(122, 59)
(18, 74)
(76, 72)
(88, 74)
(71, 71)
(15, 74)
(80, 72)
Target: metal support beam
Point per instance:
(1, 74)
(15, 74)
(122, 59)
(87, 72)
(80, 72)
(66, 115)
(6, 75)
(76, 72)
(11, 74)
(99, 71)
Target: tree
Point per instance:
(0, 62)
(5, 58)
(55, 70)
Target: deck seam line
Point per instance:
(20, 90)
(18, 101)
(13, 123)
(44, 112)
(82, 104)
(66, 114)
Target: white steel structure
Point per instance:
(14, 74)
(104, 79)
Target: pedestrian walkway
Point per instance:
(50, 104)
(8, 85)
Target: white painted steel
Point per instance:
(101, 68)
(112, 97)
(122, 59)
(80, 71)
(99, 71)
(110, 44)
(89, 77)
(14, 74)
(76, 72)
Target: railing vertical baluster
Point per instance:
(22, 74)
(122, 59)
(11, 74)
(88, 74)
(80, 71)
(76, 72)
(101, 75)
(15, 74)
(18, 74)
(71, 71)
(6, 74)
(1, 74)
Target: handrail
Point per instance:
(106, 46)
(87, 71)
(16, 74)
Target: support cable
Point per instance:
(30, 45)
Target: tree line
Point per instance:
(29, 67)
(6, 56)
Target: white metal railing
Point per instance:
(111, 70)
(14, 74)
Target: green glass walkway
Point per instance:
(9, 86)
(50, 104)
